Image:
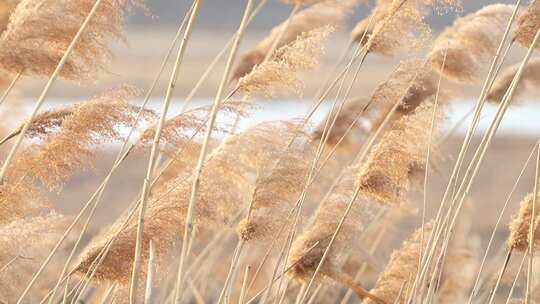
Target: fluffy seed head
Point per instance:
(402, 266)
(308, 249)
(528, 25)
(470, 43)
(278, 186)
(30, 26)
(520, 226)
(87, 125)
(325, 13)
(281, 72)
(230, 168)
(349, 114)
(365, 27)
(398, 158)
(529, 83)
(177, 131)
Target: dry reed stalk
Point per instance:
(520, 226)
(145, 193)
(81, 128)
(29, 26)
(461, 264)
(29, 238)
(498, 222)
(389, 171)
(122, 154)
(472, 171)
(529, 83)
(324, 13)
(322, 226)
(528, 24)
(464, 148)
(280, 73)
(470, 43)
(218, 100)
(402, 264)
(230, 168)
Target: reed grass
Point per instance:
(281, 211)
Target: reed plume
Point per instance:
(230, 168)
(410, 85)
(89, 124)
(364, 28)
(25, 243)
(470, 43)
(403, 26)
(20, 198)
(278, 185)
(178, 131)
(520, 226)
(349, 115)
(281, 71)
(30, 25)
(6, 8)
(396, 279)
(308, 249)
(324, 13)
(528, 25)
(530, 81)
(399, 157)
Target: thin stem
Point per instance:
(244, 285)
(151, 270)
(499, 220)
(532, 230)
(154, 152)
(204, 150)
(10, 87)
(501, 274)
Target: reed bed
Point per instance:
(348, 209)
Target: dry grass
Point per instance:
(287, 212)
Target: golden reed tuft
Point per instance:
(325, 13)
(307, 250)
(6, 8)
(349, 115)
(86, 126)
(30, 25)
(402, 25)
(278, 185)
(399, 157)
(364, 28)
(470, 43)
(530, 81)
(178, 131)
(280, 73)
(230, 168)
(528, 25)
(520, 226)
(399, 273)
(29, 241)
